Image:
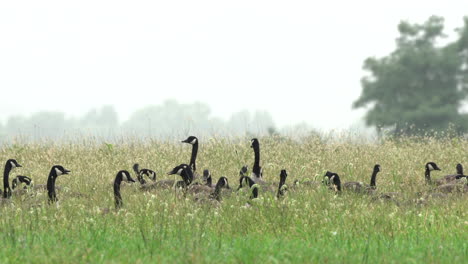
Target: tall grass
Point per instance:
(310, 225)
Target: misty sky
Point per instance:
(299, 60)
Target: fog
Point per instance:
(273, 64)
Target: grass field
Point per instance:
(307, 226)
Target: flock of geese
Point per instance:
(203, 188)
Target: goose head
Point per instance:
(377, 168)
(223, 183)
(243, 171)
(136, 167)
(125, 176)
(431, 166)
(206, 175)
(459, 169)
(13, 163)
(254, 143)
(59, 170)
(190, 140)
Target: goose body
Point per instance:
(452, 178)
(362, 187)
(212, 194)
(454, 187)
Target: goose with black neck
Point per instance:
(9, 166)
(56, 171)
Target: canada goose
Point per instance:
(282, 188)
(143, 172)
(360, 187)
(208, 187)
(430, 166)
(192, 140)
(335, 181)
(246, 181)
(9, 165)
(222, 183)
(256, 169)
(21, 179)
(453, 178)
(122, 175)
(328, 179)
(17, 181)
(184, 171)
(207, 179)
(56, 171)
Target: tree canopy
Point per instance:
(421, 85)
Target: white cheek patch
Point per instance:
(179, 172)
(12, 164)
(193, 141)
(429, 166)
(225, 182)
(58, 172)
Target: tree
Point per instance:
(421, 85)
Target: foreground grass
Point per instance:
(309, 225)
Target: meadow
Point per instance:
(308, 225)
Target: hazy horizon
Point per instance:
(299, 61)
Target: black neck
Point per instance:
(256, 166)
(194, 156)
(337, 183)
(427, 174)
(216, 194)
(280, 191)
(6, 181)
(373, 178)
(209, 181)
(117, 196)
(187, 176)
(139, 175)
(254, 193)
(51, 186)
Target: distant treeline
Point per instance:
(166, 121)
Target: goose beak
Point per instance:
(131, 180)
(65, 171)
(18, 165)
